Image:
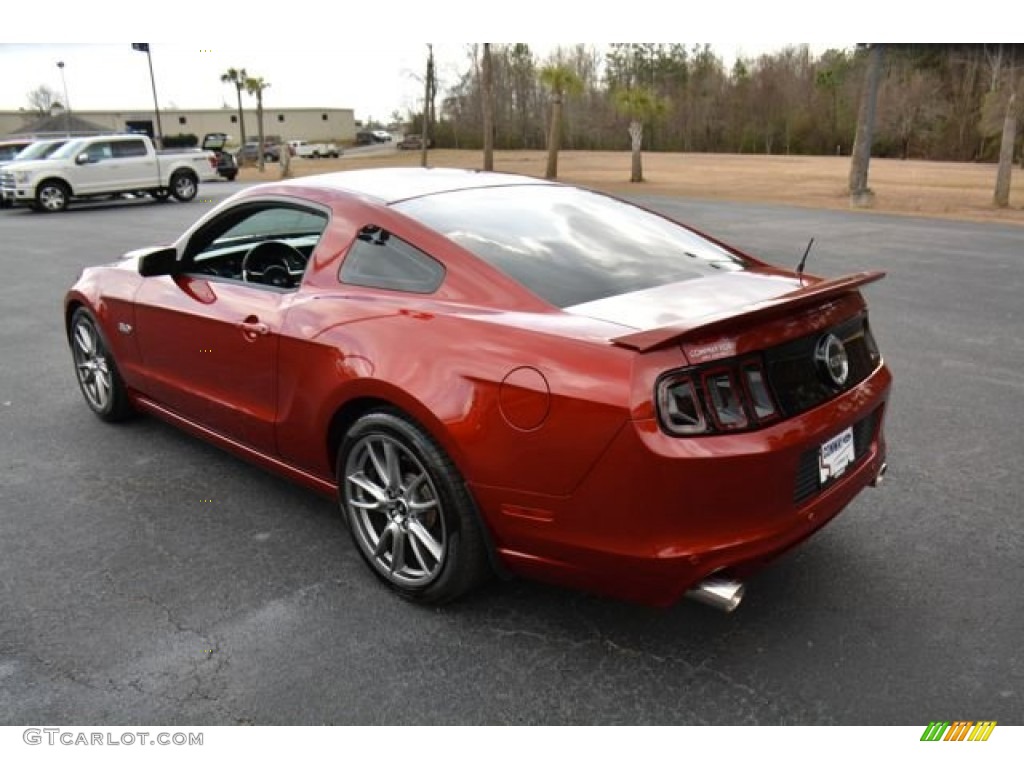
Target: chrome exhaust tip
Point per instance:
(718, 592)
(880, 477)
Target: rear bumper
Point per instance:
(656, 514)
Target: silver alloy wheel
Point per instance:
(184, 187)
(92, 365)
(53, 197)
(395, 510)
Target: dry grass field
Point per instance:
(947, 190)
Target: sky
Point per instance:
(374, 80)
(371, 60)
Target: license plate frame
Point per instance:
(835, 456)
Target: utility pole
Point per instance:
(67, 104)
(144, 47)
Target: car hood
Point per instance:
(686, 301)
(21, 166)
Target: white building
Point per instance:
(309, 123)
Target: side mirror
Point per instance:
(82, 159)
(160, 261)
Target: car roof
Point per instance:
(390, 185)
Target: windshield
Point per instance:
(71, 149)
(567, 245)
(40, 150)
(9, 152)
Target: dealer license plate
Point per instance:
(836, 455)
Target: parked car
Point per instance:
(413, 141)
(250, 153)
(9, 148)
(40, 150)
(372, 137)
(36, 150)
(302, 148)
(630, 408)
(227, 167)
(102, 166)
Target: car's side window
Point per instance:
(99, 150)
(378, 259)
(129, 148)
(264, 244)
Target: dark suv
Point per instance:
(250, 153)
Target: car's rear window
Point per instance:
(568, 245)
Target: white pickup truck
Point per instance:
(100, 166)
(302, 148)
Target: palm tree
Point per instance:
(640, 105)
(560, 80)
(1005, 169)
(860, 193)
(237, 78)
(255, 86)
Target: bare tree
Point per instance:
(237, 78)
(42, 100)
(560, 80)
(488, 107)
(255, 86)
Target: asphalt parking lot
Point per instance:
(146, 577)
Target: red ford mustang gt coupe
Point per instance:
(494, 373)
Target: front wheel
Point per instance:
(97, 373)
(52, 197)
(184, 186)
(409, 512)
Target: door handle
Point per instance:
(252, 327)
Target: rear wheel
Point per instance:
(184, 186)
(409, 511)
(52, 197)
(97, 373)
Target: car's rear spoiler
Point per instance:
(643, 341)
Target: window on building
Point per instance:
(234, 118)
(324, 117)
(280, 118)
(182, 120)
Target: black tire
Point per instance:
(52, 197)
(184, 186)
(95, 369)
(160, 194)
(231, 176)
(410, 514)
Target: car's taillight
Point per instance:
(726, 402)
(679, 406)
(757, 388)
(869, 341)
(729, 396)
